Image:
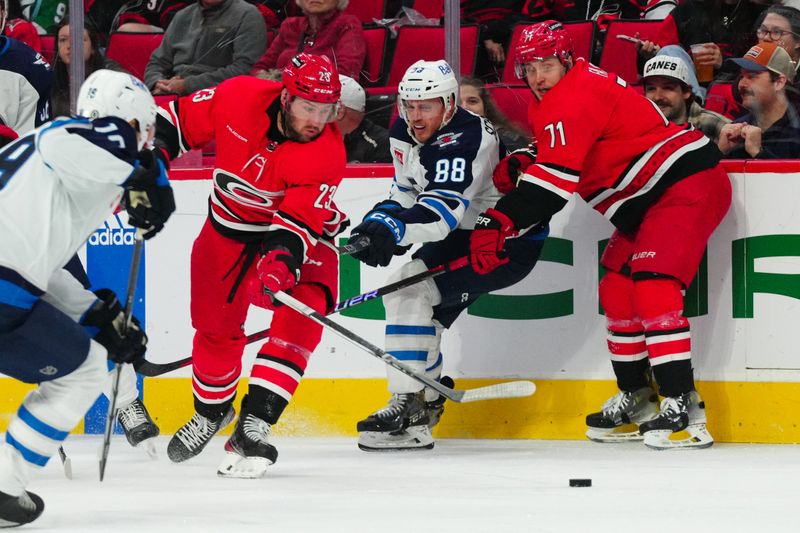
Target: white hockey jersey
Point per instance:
(446, 182)
(57, 185)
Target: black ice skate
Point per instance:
(401, 425)
(248, 451)
(685, 412)
(18, 510)
(190, 440)
(435, 408)
(138, 426)
(622, 409)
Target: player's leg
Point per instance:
(218, 344)
(39, 344)
(411, 337)
(279, 366)
(669, 248)
(636, 401)
(132, 414)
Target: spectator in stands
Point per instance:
(364, 141)
(45, 14)
(771, 129)
(92, 56)
(476, 98)
(724, 26)
(17, 27)
(324, 29)
(206, 43)
(781, 25)
(667, 82)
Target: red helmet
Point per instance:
(542, 40)
(312, 77)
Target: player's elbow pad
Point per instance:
(529, 204)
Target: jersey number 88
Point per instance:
(445, 171)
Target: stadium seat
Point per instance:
(432, 9)
(427, 42)
(620, 56)
(366, 10)
(581, 31)
(48, 47)
(373, 71)
(133, 50)
(513, 101)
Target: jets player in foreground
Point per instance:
(660, 184)
(57, 185)
(443, 158)
(280, 159)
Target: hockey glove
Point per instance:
(488, 239)
(106, 321)
(148, 196)
(278, 270)
(384, 232)
(507, 171)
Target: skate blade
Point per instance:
(696, 437)
(417, 438)
(237, 466)
(626, 433)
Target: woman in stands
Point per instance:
(781, 25)
(91, 54)
(476, 98)
(324, 29)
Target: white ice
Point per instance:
(328, 485)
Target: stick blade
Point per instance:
(511, 389)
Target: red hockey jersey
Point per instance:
(262, 181)
(612, 146)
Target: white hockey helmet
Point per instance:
(108, 93)
(429, 79)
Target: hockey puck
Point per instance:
(580, 482)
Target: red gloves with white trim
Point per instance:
(486, 243)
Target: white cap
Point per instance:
(353, 95)
(668, 67)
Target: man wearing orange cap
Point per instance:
(771, 129)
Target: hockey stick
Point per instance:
(148, 369)
(361, 243)
(511, 389)
(66, 462)
(133, 276)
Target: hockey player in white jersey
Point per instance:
(443, 158)
(57, 185)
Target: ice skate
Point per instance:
(138, 426)
(248, 452)
(435, 408)
(18, 510)
(621, 414)
(401, 425)
(190, 439)
(686, 412)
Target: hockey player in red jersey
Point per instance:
(280, 158)
(660, 184)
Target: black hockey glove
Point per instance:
(507, 171)
(148, 196)
(106, 319)
(384, 232)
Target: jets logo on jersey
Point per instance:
(447, 139)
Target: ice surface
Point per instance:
(328, 485)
